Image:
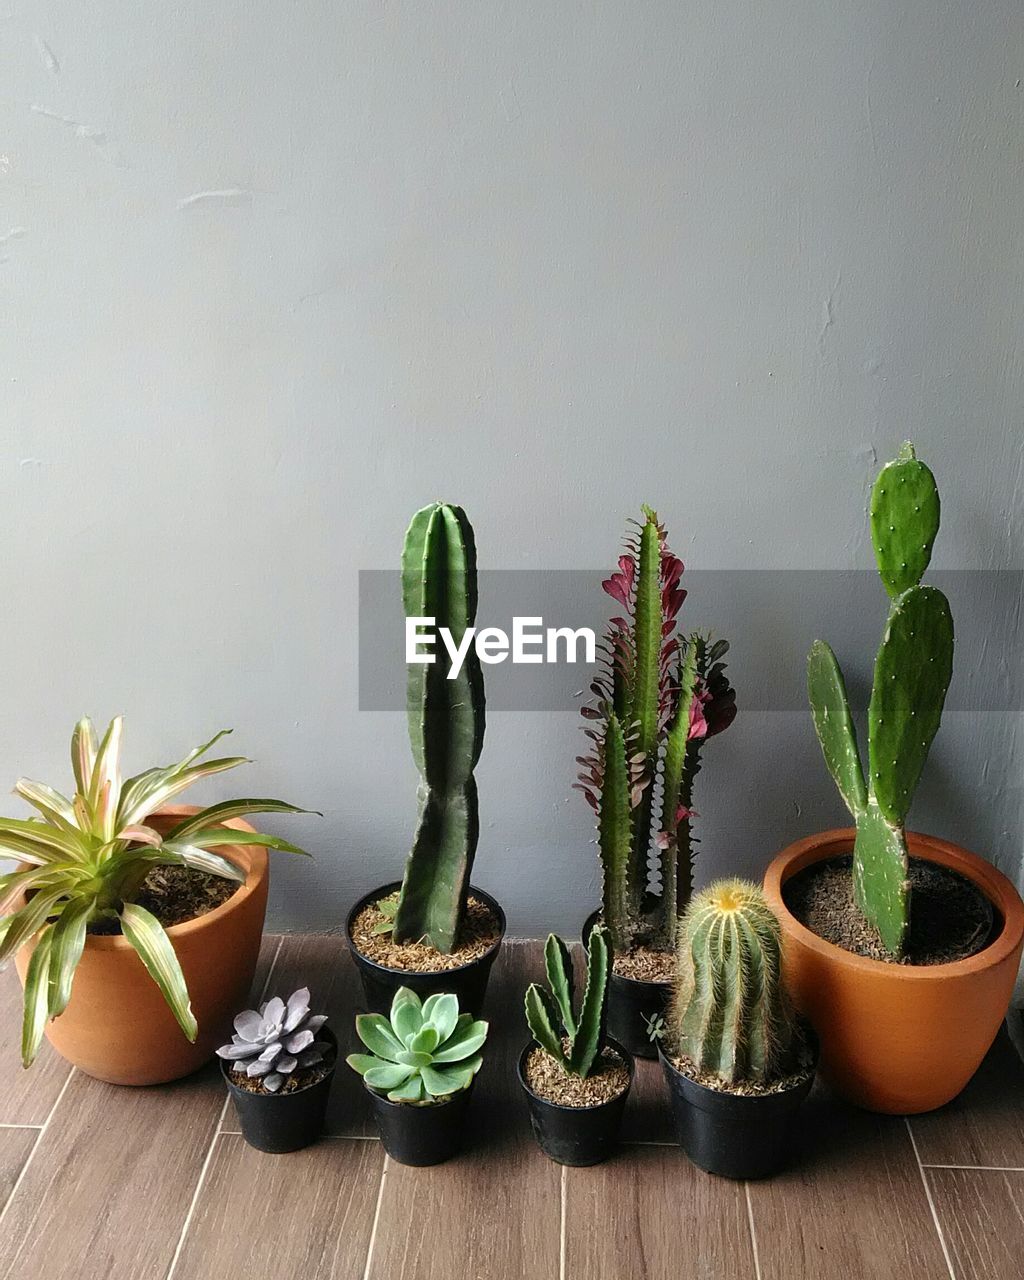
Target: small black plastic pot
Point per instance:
(279, 1122)
(421, 1135)
(733, 1135)
(469, 982)
(631, 1006)
(577, 1136)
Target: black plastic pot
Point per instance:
(576, 1136)
(631, 1006)
(279, 1122)
(469, 982)
(421, 1135)
(732, 1135)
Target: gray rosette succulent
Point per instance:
(279, 1038)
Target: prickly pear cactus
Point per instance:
(446, 729)
(912, 673)
(729, 1013)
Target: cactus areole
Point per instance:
(446, 730)
(658, 696)
(912, 673)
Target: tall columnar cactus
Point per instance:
(659, 696)
(550, 1013)
(729, 1014)
(446, 729)
(912, 673)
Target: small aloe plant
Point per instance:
(277, 1039)
(424, 1052)
(547, 1010)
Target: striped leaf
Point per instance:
(217, 814)
(36, 990)
(67, 943)
(149, 938)
(29, 920)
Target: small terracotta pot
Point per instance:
(900, 1039)
(118, 1027)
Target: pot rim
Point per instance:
(838, 842)
(588, 924)
(458, 1096)
(752, 1099)
(609, 1042)
(390, 887)
(254, 855)
(295, 1093)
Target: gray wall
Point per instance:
(274, 275)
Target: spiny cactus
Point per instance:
(424, 1052)
(659, 696)
(546, 1011)
(446, 729)
(729, 1013)
(912, 673)
(272, 1042)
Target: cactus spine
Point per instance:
(912, 673)
(729, 1014)
(659, 696)
(446, 729)
(550, 1013)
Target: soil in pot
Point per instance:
(480, 932)
(174, 895)
(384, 966)
(950, 919)
(290, 1118)
(576, 1122)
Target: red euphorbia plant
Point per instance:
(659, 695)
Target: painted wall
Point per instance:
(274, 275)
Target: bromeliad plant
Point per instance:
(659, 697)
(730, 1015)
(912, 673)
(423, 1053)
(446, 729)
(550, 1013)
(85, 859)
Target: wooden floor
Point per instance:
(157, 1184)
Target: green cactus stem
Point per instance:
(549, 1013)
(912, 674)
(729, 1013)
(658, 698)
(446, 728)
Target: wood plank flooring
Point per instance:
(101, 1183)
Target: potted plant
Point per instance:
(419, 1073)
(278, 1069)
(903, 948)
(121, 990)
(737, 1063)
(576, 1079)
(659, 697)
(433, 932)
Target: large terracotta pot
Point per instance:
(899, 1039)
(118, 1026)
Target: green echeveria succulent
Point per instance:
(423, 1053)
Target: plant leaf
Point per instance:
(147, 935)
(375, 1032)
(411, 1091)
(55, 808)
(542, 1019)
(464, 1041)
(83, 754)
(558, 966)
(387, 1075)
(442, 1012)
(34, 1020)
(214, 837)
(202, 860)
(68, 942)
(220, 813)
(29, 920)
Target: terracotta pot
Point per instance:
(118, 1027)
(900, 1039)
